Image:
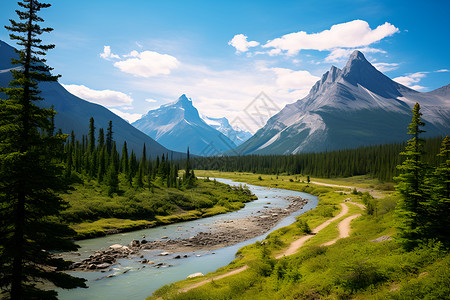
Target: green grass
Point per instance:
(284, 181)
(352, 268)
(92, 212)
(107, 226)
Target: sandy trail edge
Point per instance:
(344, 231)
(294, 246)
(213, 278)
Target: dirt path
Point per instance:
(213, 278)
(372, 192)
(294, 246)
(344, 229)
(362, 206)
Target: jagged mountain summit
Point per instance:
(178, 126)
(347, 108)
(73, 113)
(236, 134)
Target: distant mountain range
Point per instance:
(178, 125)
(347, 108)
(236, 134)
(74, 113)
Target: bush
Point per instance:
(304, 227)
(360, 275)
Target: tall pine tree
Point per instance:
(29, 175)
(412, 185)
(440, 228)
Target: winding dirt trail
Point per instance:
(297, 244)
(344, 231)
(213, 278)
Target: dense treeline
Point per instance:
(96, 157)
(379, 161)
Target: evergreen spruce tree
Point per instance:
(102, 163)
(441, 196)
(124, 159)
(101, 138)
(411, 209)
(109, 137)
(29, 176)
(91, 142)
(144, 160)
(112, 178)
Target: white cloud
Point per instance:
(294, 80)
(443, 70)
(352, 34)
(239, 41)
(151, 100)
(212, 95)
(107, 98)
(130, 117)
(107, 54)
(342, 54)
(148, 64)
(386, 67)
(411, 80)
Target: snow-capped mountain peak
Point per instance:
(355, 106)
(235, 134)
(179, 125)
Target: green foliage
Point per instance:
(31, 172)
(422, 212)
(90, 203)
(304, 227)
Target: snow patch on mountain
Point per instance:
(355, 106)
(179, 126)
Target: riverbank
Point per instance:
(92, 213)
(225, 233)
(353, 257)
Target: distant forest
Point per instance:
(379, 161)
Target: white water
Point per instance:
(140, 281)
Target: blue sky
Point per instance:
(223, 53)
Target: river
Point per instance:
(134, 280)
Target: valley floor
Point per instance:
(350, 253)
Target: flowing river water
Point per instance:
(133, 280)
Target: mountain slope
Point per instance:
(74, 113)
(237, 135)
(178, 126)
(347, 108)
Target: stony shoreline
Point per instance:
(226, 233)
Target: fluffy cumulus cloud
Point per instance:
(386, 67)
(147, 64)
(211, 93)
(106, 98)
(342, 54)
(130, 117)
(149, 100)
(294, 80)
(240, 43)
(412, 80)
(352, 34)
(107, 54)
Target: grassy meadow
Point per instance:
(357, 267)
